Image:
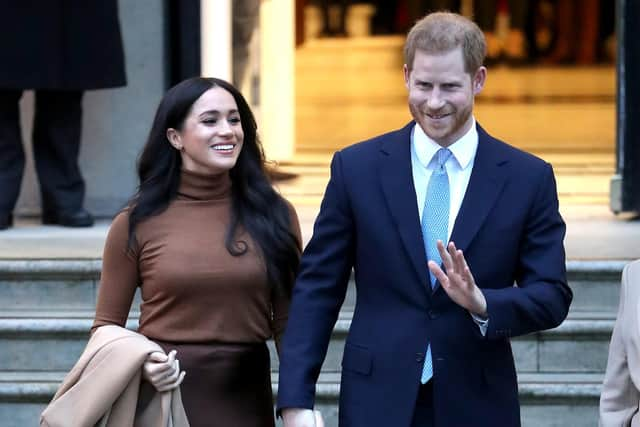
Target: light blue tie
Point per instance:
(435, 224)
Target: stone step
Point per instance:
(49, 343)
(72, 285)
(46, 310)
(546, 399)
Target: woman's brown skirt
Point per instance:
(225, 384)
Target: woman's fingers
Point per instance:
(163, 370)
(158, 370)
(174, 384)
(157, 356)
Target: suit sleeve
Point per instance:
(542, 297)
(620, 397)
(317, 295)
(280, 301)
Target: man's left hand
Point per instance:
(458, 282)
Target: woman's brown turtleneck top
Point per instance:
(193, 289)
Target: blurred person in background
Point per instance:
(620, 397)
(59, 49)
(503, 23)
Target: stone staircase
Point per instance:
(46, 310)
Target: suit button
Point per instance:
(419, 357)
(433, 314)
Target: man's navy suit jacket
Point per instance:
(510, 231)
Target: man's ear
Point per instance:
(405, 71)
(478, 80)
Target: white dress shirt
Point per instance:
(459, 167)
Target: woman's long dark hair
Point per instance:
(256, 206)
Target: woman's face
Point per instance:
(211, 136)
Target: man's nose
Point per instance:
(435, 100)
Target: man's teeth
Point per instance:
(223, 147)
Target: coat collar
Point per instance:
(487, 180)
(397, 185)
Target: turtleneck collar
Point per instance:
(197, 186)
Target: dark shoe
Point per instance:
(79, 218)
(6, 221)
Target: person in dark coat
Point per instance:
(59, 49)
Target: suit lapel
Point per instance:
(486, 182)
(396, 180)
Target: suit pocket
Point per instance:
(357, 359)
(499, 371)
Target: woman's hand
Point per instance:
(163, 371)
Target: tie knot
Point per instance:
(442, 155)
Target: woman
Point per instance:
(214, 250)
(620, 398)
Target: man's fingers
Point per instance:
(463, 268)
(444, 255)
(459, 262)
(437, 271)
(451, 248)
(467, 275)
(456, 257)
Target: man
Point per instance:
(59, 49)
(429, 340)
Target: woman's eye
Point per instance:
(234, 120)
(209, 121)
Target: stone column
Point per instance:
(277, 78)
(215, 48)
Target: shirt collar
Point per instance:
(463, 150)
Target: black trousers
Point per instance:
(423, 412)
(56, 146)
